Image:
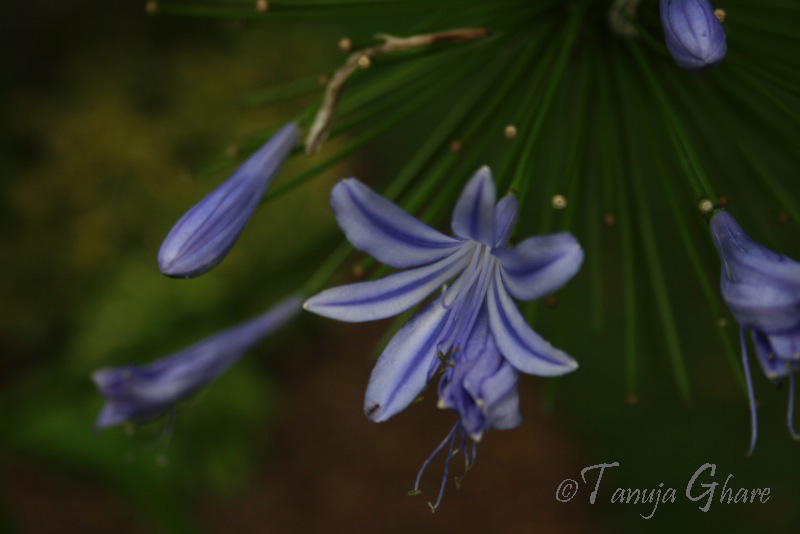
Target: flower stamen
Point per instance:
(750, 395)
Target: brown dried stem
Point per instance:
(324, 118)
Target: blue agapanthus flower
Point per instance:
(143, 392)
(695, 37)
(762, 290)
(207, 232)
(472, 331)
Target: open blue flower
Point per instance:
(205, 234)
(473, 330)
(143, 392)
(762, 290)
(695, 37)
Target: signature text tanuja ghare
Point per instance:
(696, 490)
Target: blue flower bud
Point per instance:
(694, 36)
(762, 290)
(205, 233)
(142, 392)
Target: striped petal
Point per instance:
(693, 35)
(141, 392)
(402, 370)
(540, 265)
(761, 287)
(482, 386)
(505, 217)
(747, 261)
(384, 230)
(519, 344)
(501, 398)
(473, 216)
(205, 234)
(774, 367)
(378, 299)
(787, 345)
(492, 383)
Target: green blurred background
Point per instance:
(116, 123)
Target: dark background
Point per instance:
(111, 120)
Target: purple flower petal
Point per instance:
(505, 218)
(786, 346)
(141, 392)
(745, 260)
(694, 36)
(402, 370)
(205, 234)
(519, 344)
(492, 383)
(761, 288)
(378, 299)
(482, 385)
(473, 216)
(502, 399)
(385, 231)
(540, 265)
(773, 366)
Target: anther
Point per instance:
(720, 14)
(705, 206)
(262, 6)
(510, 131)
(559, 202)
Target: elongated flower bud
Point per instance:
(205, 233)
(142, 392)
(694, 36)
(762, 290)
(761, 287)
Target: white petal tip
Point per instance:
(570, 366)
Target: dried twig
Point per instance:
(322, 121)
